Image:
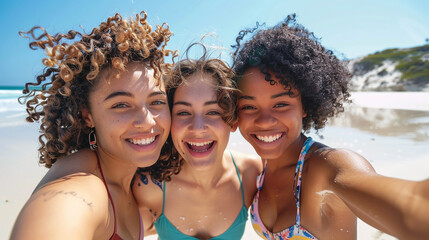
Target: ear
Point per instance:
(86, 115)
(234, 126)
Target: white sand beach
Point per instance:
(390, 129)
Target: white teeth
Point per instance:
(269, 139)
(145, 141)
(199, 144)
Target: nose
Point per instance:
(265, 119)
(144, 119)
(198, 123)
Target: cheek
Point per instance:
(177, 128)
(243, 121)
(165, 120)
(223, 130)
(177, 135)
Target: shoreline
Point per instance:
(397, 145)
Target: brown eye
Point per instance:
(279, 105)
(158, 102)
(183, 113)
(120, 105)
(214, 113)
(247, 107)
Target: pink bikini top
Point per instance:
(293, 232)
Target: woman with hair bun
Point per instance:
(289, 83)
(102, 91)
(210, 196)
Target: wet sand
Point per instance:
(395, 141)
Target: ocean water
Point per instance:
(12, 113)
(395, 141)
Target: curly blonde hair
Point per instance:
(73, 63)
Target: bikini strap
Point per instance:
(141, 237)
(239, 178)
(297, 180)
(260, 178)
(108, 194)
(163, 196)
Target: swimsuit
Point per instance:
(166, 230)
(115, 236)
(296, 231)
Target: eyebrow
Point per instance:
(157, 93)
(272, 97)
(246, 97)
(128, 94)
(281, 95)
(189, 104)
(119, 93)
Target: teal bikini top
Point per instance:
(167, 231)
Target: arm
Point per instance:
(398, 207)
(63, 209)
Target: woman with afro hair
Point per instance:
(102, 91)
(289, 84)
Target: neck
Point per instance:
(116, 172)
(206, 176)
(290, 155)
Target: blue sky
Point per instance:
(351, 28)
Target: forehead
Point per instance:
(197, 85)
(254, 79)
(136, 78)
(253, 82)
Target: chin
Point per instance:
(201, 164)
(266, 154)
(147, 161)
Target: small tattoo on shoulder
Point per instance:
(143, 179)
(158, 183)
(53, 193)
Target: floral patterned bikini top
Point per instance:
(295, 232)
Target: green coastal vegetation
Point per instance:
(413, 63)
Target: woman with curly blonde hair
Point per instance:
(103, 90)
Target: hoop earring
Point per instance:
(92, 140)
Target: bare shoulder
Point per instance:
(147, 191)
(78, 199)
(340, 159)
(82, 161)
(249, 166)
(337, 163)
(247, 162)
(149, 195)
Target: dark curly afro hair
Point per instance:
(296, 57)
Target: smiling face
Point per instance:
(269, 118)
(198, 131)
(130, 115)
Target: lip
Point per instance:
(272, 138)
(142, 147)
(200, 154)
